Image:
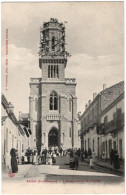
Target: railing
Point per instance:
(70, 80)
(34, 80)
(51, 117)
(112, 125)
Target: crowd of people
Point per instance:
(49, 157)
(34, 156)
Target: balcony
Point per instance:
(115, 124)
(110, 126)
(52, 117)
(70, 80)
(35, 80)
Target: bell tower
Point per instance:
(53, 56)
(53, 101)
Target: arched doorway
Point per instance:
(53, 137)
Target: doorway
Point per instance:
(53, 137)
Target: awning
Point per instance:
(26, 130)
(29, 130)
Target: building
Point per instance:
(112, 128)
(24, 119)
(12, 134)
(25, 124)
(90, 119)
(53, 101)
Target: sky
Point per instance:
(94, 37)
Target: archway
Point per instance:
(53, 137)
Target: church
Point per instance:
(53, 101)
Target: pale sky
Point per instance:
(94, 36)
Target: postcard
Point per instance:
(62, 101)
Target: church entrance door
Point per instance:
(53, 138)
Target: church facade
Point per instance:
(53, 101)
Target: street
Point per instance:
(61, 172)
(39, 176)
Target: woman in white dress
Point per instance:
(92, 159)
(91, 162)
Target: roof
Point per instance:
(4, 101)
(112, 104)
(102, 93)
(11, 115)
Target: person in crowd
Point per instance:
(74, 163)
(28, 156)
(79, 152)
(25, 159)
(86, 154)
(103, 155)
(93, 156)
(45, 154)
(112, 156)
(31, 158)
(14, 165)
(39, 160)
(57, 153)
(116, 160)
(48, 158)
(71, 153)
(43, 157)
(54, 158)
(64, 152)
(89, 152)
(60, 151)
(22, 157)
(55, 149)
(91, 162)
(52, 148)
(35, 157)
(82, 155)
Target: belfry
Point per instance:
(53, 101)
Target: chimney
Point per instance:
(104, 86)
(11, 107)
(89, 102)
(20, 113)
(94, 95)
(86, 106)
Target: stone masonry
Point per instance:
(53, 101)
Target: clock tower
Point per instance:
(52, 101)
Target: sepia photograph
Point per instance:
(62, 97)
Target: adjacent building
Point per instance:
(112, 128)
(12, 134)
(53, 101)
(92, 118)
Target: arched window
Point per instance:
(53, 101)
